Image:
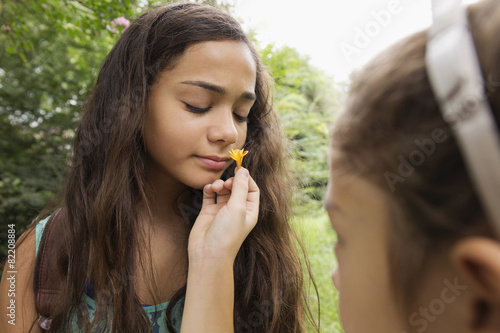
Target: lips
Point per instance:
(213, 162)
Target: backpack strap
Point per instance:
(47, 280)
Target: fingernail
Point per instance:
(243, 172)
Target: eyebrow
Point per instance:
(218, 89)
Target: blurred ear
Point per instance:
(478, 260)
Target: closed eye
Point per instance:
(241, 119)
(196, 109)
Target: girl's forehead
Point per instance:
(219, 51)
(222, 63)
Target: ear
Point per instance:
(478, 260)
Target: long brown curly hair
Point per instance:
(106, 187)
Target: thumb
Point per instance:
(240, 189)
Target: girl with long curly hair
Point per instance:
(160, 232)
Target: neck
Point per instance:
(163, 245)
(163, 193)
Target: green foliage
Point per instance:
(80, 20)
(306, 100)
(317, 238)
(48, 56)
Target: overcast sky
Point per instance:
(338, 35)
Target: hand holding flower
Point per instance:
(229, 212)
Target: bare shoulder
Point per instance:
(17, 298)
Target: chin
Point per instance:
(200, 182)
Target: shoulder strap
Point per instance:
(46, 278)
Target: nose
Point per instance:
(223, 128)
(336, 278)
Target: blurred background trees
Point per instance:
(50, 53)
(307, 101)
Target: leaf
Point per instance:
(23, 56)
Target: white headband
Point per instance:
(456, 79)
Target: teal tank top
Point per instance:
(154, 312)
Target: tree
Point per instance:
(306, 99)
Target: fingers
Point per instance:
(228, 184)
(239, 190)
(253, 192)
(252, 186)
(208, 195)
(216, 193)
(218, 185)
(241, 187)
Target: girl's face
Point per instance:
(198, 112)
(359, 213)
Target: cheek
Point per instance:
(183, 128)
(242, 135)
(364, 289)
(352, 296)
(171, 136)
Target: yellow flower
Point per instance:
(237, 155)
